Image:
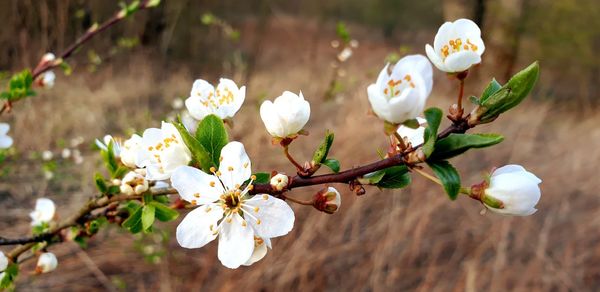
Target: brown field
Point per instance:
(410, 239)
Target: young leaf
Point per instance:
(164, 213)
(449, 177)
(100, 183)
(332, 163)
(456, 144)
(321, 153)
(148, 216)
(372, 178)
(395, 177)
(134, 222)
(262, 178)
(212, 135)
(492, 88)
(199, 154)
(434, 117)
(9, 276)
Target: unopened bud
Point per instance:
(126, 189)
(327, 200)
(134, 182)
(279, 181)
(47, 262)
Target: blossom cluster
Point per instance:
(213, 176)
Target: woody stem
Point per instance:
(291, 159)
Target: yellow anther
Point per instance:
(213, 169)
(221, 158)
(258, 221)
(256, 209)
(253, 177)
(246, 165)
(218, 173)
(244, 223)
(265, 197)
(197, 195)
(229, 219)
(250, 187)
(208, 209)
(230, 168)
(193, 202)
(212, 184)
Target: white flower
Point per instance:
(130, 149)
(327, 200)
(116, 145)
(286, 116)
(227, 210)
(162, 152)
(4, 265)
(47, 79)
(5, 140)
(43, 213)
(515, 189)
(345, 54)
(457, 46)
(47, 155)
(46, 263)
(65, 153)
(279, 181)
(401, 95)
(260, 250)
(414, 136)
(223, 102)
(48, 57)
(134, 183)
(177, 103)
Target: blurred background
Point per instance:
(138, 73)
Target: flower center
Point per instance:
(218, 98)
(456, 45)
(395, 87)
(231, 199)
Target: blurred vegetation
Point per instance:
(563, 34)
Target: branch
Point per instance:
(89, 34)
(351, 175)
(74, 220)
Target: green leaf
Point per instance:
(212, 135)
(434, 117)
(10, 275)
(333, 164)
(395, 177)
(199, 154)
(134, 222)
(492, 88)
(321, 153)
(372, 178)
(164, 213)
(508, 96)
(262, 178)
(100, 183)
(148, 216)
(448, 176)
(456, 144)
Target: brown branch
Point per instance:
(76, 219)
(351, 175)
(89, 34)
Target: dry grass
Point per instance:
(411, 239)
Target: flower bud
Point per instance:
(3, 264)
(5, 140)
(511, 191)
(47, 79)
(43, 213)
(130, 149)
(327, 200)
(133, 183)
(47, 262)
(279, 182)
(286, 115)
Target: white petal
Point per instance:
(379, 103)
(229, 107)
(3, 262)
(195, 230)
(235, 166)
(196, 108)
(516, 169)
(260, 251)
(466, 28)
(193, 184)
(4, 128)
(383, 76)
(6, 142)
(236, 242)
(271, 119)
(202, 89)
(435, 58)
(461, 61)
(276, 217)
(443, 35)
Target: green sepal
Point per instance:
(320, 155)
(394, 177)
(333, 164)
